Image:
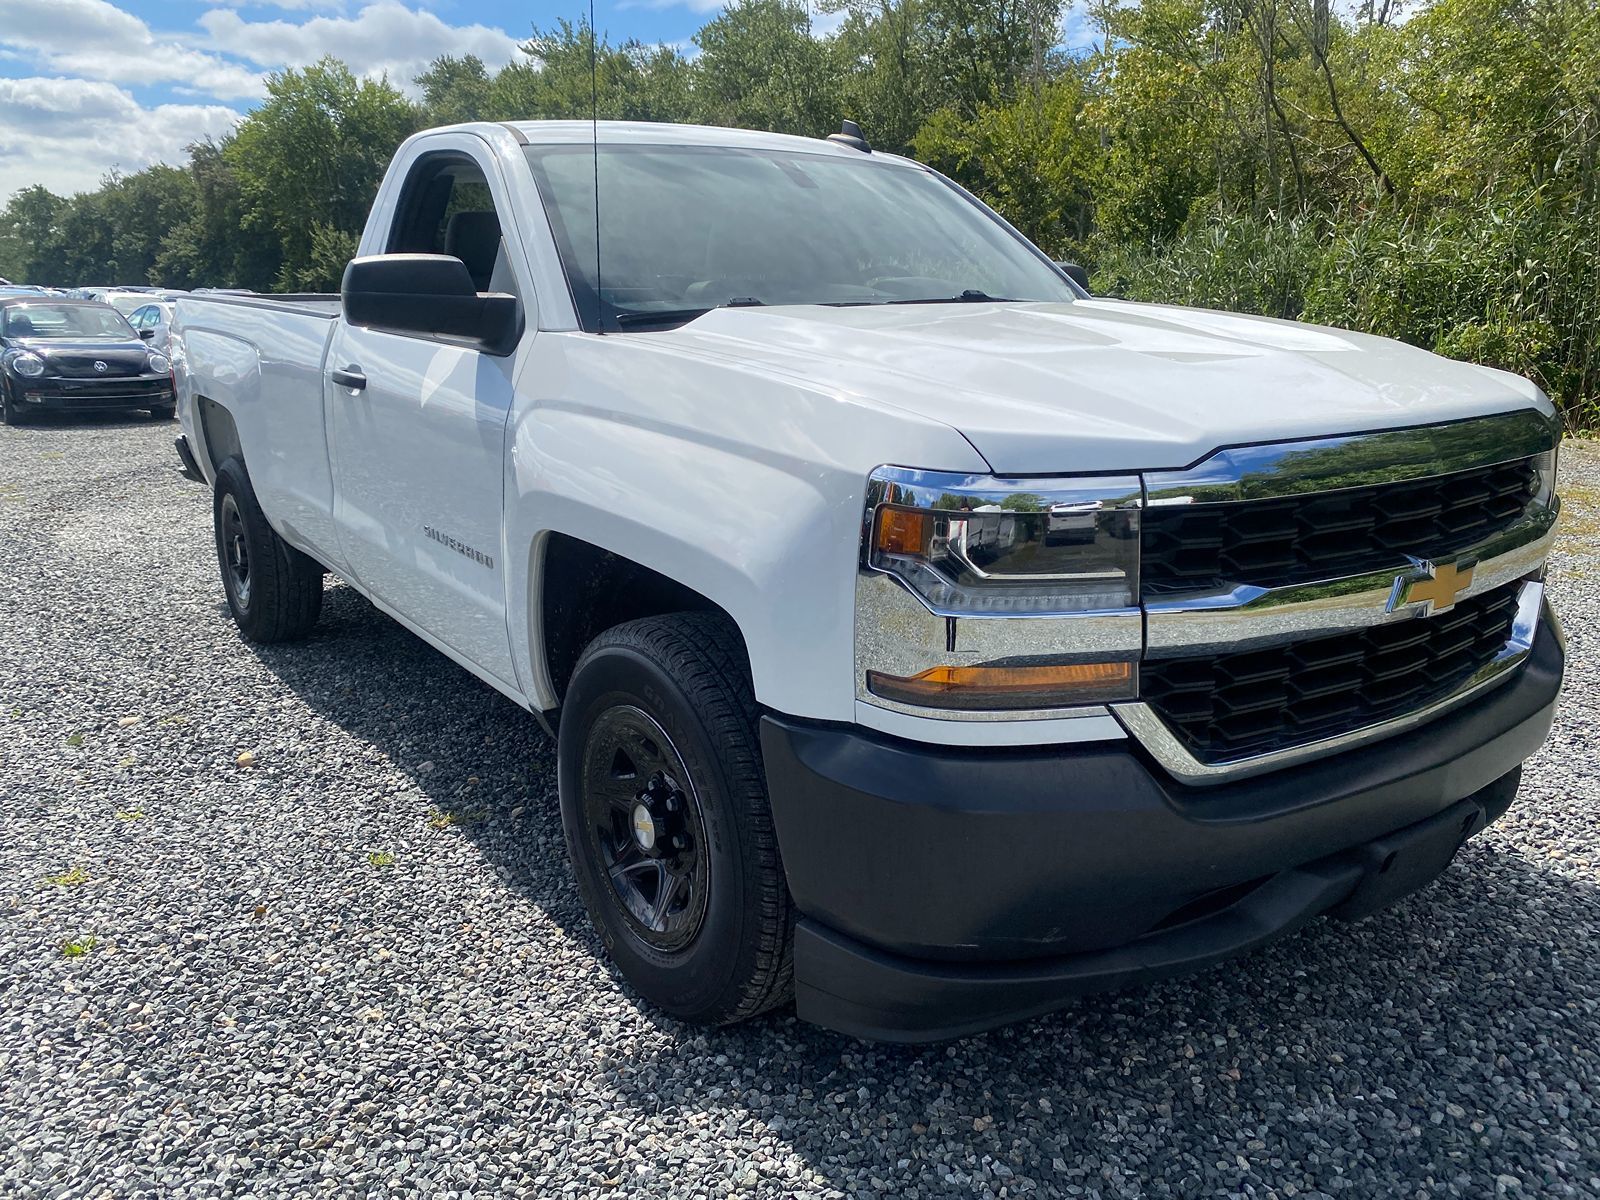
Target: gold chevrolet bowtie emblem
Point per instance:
(1434, 586)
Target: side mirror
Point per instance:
(431, 296)
(1075, 273)
(148, 335)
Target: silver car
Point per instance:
(153, 323)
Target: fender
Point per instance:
(762, 516)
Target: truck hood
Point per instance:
(1098, 385)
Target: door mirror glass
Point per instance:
(431, 296)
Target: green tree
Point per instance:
(761, 68)
(311, 157)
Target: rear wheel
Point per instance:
(274, 591)
(664, 805)
(163, 412)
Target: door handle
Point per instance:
(351, 377)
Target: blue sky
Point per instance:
(87, 86)
(91, 85)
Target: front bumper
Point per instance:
(84, 395)
(944, 891)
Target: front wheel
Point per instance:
(664, 806)
(10, 412)
(274, 591)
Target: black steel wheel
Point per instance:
(234, 550)
(664, 806)
(645, 826)
(273, 590)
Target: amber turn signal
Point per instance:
(903, 531)
(1007, 687)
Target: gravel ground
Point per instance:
(297, 922)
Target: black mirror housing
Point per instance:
(1075, 273)
(147, 334)
(431, 296)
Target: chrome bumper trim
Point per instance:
(1248, 617)
(897, 633)
(1142, 722)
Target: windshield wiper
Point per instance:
(680, 316)
(969, 296)
(659, 316)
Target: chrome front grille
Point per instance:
(1328, 535)
(1228, 706)
(1301, 598)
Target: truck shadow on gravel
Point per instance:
(1424, 1041)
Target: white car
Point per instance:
(153, 322)
(925, 639)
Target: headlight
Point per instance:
(1546, 465)
(980, 595)
(159, 363)
(29, 366)
(982, 546)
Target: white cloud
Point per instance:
(67, 133)
(93, 39)
(384, 37)
(288, 5)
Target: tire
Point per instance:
(10, 412)
(277, 594)
(163, 412)
(682, 683)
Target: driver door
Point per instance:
(418, 433)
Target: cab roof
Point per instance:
(657, 133)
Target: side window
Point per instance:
(138, 319)
(446, 208)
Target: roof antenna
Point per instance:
(849, 134)
(594, 134)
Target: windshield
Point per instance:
(65, 321)
(689, 228)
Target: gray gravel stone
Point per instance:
(356, 965)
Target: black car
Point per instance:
(75, 355)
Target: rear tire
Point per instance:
(274, 591)
(163, 412)
(660, 717)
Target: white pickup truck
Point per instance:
(925, 639)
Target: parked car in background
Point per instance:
(76, 355)
(153, 323)
(924, 636)
(128, 300)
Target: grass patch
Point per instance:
(79, 947)
(75, 740)
(439, 818)
(73, 878)
(380, 858)
(136, 814)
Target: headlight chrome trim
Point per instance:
(905, 623)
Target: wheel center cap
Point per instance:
(644, 828)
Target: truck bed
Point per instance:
(311, 304)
